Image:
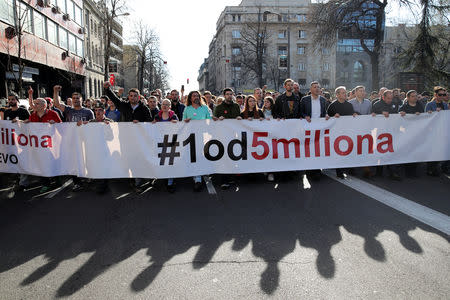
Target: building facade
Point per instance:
(94, 49)
(45, 41)
(130, 66)
(287, 51)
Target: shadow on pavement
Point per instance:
(271, 221)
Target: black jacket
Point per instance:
(380, 106)
(306, 106)
(281, 108)
(127, 114)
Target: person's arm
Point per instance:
(208, 112)
(30, 98)
(56, 101)
(112, 96)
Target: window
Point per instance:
(52, 32)
(283, 63)
(236, 34)
(325, 83)
(285, 17)
(325, 51)
(353, 45)
(239, 18)
(301, 50)
(236, 50)
(302, 34)
(39, 25)
(301, 18)
(71, 9)
(279, 18)
(282, 50)
(79, 47)
(62, 38)
(302, 83)
(62, 5)
(358, 71)
(236, 67)
(78, 15)
(24, 15)
(264, 17)
(113, 67)
(326, 67)
(7, 11)
(72, 43)
(233, 17)
(282, 34)
(301, 66)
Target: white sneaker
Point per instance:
(270, 177)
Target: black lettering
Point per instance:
(207, 148)
(242, 143)
(15, 159)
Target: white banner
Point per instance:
(166, 150)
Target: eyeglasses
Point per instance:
(442, 95)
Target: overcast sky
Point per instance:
(185, 28)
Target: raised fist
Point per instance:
(30, 91)
(57, 88)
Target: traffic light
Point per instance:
(112, 79)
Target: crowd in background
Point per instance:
(263, 104)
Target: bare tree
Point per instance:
(255, 36)
(361, 19)
(16, 42)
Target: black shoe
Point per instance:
(433, 173)
(198, 186)
(396, 177)
(76, 187)
(19, 188)
(171, 188)
(225, 186)
(341, 174)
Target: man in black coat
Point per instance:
(132, 110)
(311, 107)
(287, 105)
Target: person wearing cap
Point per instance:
(99, 112)
(52, 107)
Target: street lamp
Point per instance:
(289, 39)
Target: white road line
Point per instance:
(55, 192)
(209, 185)
(419, 212)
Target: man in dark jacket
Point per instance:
(177, 107)
(314, 105)
(385, 106)
(287, 105)
(132, 110)
(311, 107)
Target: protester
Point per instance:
(313, 106)
(41, 114)
(341, 107)
(177, 106)
(411, 106)
(258, 95)
(251, 110)
(15, 111)
(196, 109)
(360, 105)
(380, 95)
(208, 100)
(153, 106)
(385, 107)
(227, 110)
(296, 91)
(52, 107)
(240, 99)
(437, 104)
(167, 115)
(268, 107)
(112, 112)
(287, 105)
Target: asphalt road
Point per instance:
(281, 240)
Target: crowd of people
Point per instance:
(261, 105)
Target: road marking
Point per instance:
(419, 212)
(55, 192)
(209, 185)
